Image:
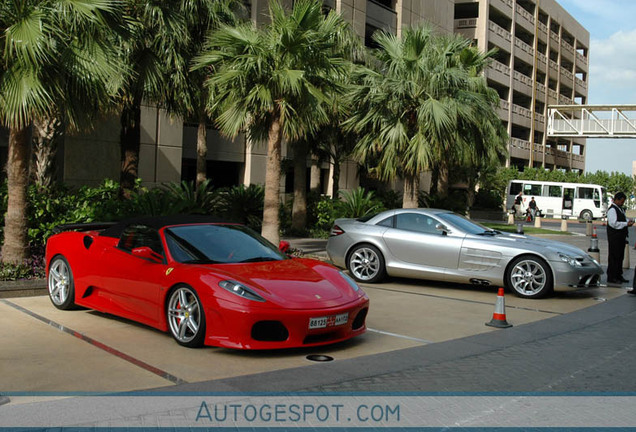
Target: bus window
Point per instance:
(515, 188)
(555, 191)
(586, 193)
(532, 189)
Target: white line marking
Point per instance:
(400, 336)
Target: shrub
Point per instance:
(357, 203)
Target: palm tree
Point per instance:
(424, 106)
(272, 83)
(186, 94)
(158, 28)
(39, 60)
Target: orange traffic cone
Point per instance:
(499, 316)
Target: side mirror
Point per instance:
(441, 227)
(283, 246)
(145, 252)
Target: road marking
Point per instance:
(163, 374)
(459, 299)
(400, 336)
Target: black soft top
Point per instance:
(158, 222)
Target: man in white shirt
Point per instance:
(617, 233)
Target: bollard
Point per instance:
(593, 250)
(537, 221)
(511, 218)
(520, 228)
(564, 223)
(626, 258)
(588, 228)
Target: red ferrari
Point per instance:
(204, 281)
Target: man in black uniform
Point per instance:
(617, 233)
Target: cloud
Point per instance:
(613, 68)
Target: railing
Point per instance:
(466, 23)
(554, 36)
(524, 79)
(567, 74)
(519, 143)
(554, 65)
(581, 83)
(504, 104)
(569, 48)
(542, 58)
(553, 94)
(524, 46)
(540, 88)
(500, 67)
(499, 31)
(543, 28)
(581, 58)
(524, 112)
(539, 117)
(564, 100)
(526, 15)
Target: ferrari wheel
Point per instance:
(61, 285)
(530, 277)
(366, 264)
(186, 318)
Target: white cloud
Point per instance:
(613, 68)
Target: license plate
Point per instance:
(328, 321)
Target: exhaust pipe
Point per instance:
(482, 282)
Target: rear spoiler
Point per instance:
(91, 226)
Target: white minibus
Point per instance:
(556, 199)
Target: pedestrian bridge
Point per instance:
(592, 121)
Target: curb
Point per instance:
(23, 288)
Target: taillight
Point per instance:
(336, 231)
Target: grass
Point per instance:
(527, 229)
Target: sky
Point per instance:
(612, 74)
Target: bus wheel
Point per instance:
(586, 215)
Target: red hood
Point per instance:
(294, 283)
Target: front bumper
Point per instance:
(571, 278)
(273, 328)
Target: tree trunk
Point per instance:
(411, 189)
(443, 179)
(271, 221)
(335, 177)
(129, 141)
(299, 208)
(15, 247)
(314, 181)
(202, 148)
(46, 135)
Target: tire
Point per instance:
(529, 277)
(185, 316)
(586, 215)
(366, 264)
(61, 284)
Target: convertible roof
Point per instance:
(158, 222)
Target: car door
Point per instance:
(422, 249)
(133, 283)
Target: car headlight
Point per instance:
(570, 260)
(350, 281)
(240, 290)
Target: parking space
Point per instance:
(48, 350)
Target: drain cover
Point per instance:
(319, 358)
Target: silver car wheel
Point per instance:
(60, 284)
(528, 278)
(185, 315)
(365, 264)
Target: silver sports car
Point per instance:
(441, 245)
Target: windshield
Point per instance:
(219, 244)
(462, 223)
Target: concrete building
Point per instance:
(542, 59)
